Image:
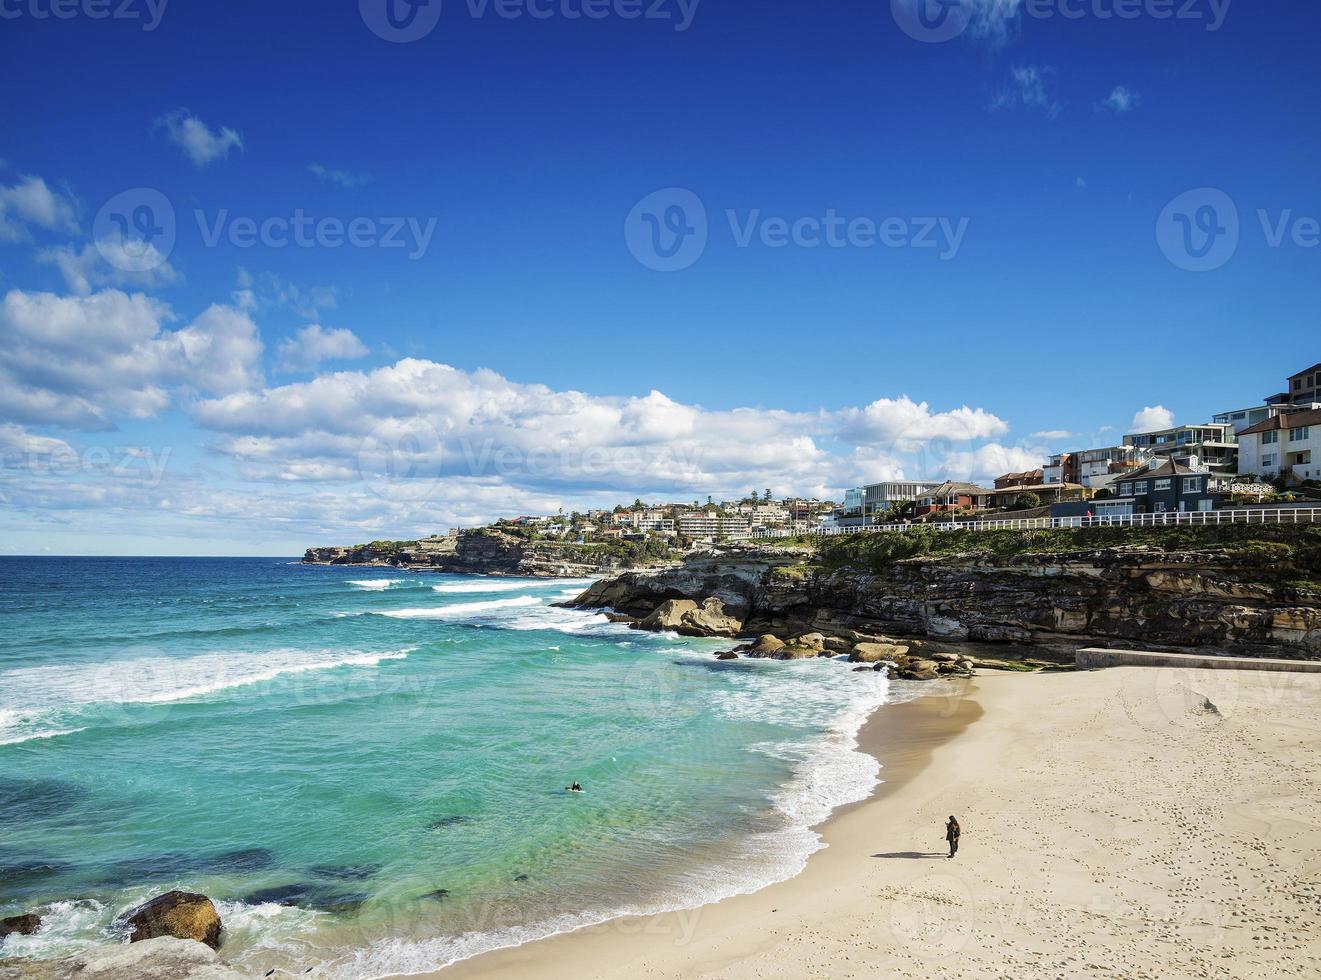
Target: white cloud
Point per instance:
(984, 464)
(313, 344)
(420, 428)
(31, 202)
(96, 265)
(1028, 88)
(993, 21)
(83, 361)
(904, 425)
(1120, 100)
(199, 142)
(268, 291)
(1151, 419)
(343, 178)
(18, 445)
(1053, 434)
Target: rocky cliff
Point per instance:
(1247, 596)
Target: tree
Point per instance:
(767, 495)
(1026, 501)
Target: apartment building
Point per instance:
(1214, 444)
(1287, 445)
(706, 525)
(1303, 388)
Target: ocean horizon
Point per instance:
(366, 767)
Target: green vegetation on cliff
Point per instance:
(1277, 552)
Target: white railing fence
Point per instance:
(1199, 518)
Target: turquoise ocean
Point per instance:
(366, 768)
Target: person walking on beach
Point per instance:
(952, 835)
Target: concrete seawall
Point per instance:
(1097, 657)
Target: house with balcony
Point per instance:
(953, 495)
(1287, 445)
(1048, 493)
(1162, 486)
(1214, 444)
(1028, 478)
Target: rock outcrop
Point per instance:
(154, 959)
(22, 925)
(181, 915)
(687, 618)
(1210, 600)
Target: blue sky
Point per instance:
(1007, 262)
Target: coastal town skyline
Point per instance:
(259, 315)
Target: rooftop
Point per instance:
(1289, 420)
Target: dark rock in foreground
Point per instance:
(181, 915)
(22, 925)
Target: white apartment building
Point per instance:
(661, 525)
(767, 514)
(1286, 445)
(711, 524)
(880, 497)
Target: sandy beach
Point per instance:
(1131, 822)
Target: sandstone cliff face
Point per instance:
(1123, 596)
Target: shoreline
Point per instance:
(1132, 821)
(902, 736)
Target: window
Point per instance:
(1193, 485)
(1125, 489)
(1162, 485)
(1140, 487)
(1203, 505)
(1298, 384)
(1270, 438)
(1268, 460)
(1299, 434)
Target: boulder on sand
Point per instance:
(183, 915)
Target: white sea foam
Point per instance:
(50, 694)
(10, 738)
(490, 585)
(376, 584)
(460, 610)
(66, 928)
